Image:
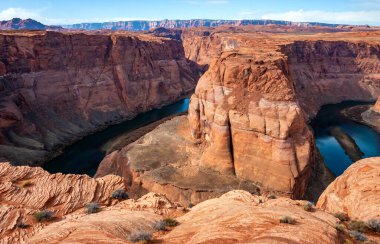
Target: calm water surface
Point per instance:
(333, 154)
(84, 156)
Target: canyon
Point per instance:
(246, 144)
(55, 88)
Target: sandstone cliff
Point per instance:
(250, 109)
(55, 88)
(355, 192)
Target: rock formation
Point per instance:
(55, 88)
(25, 190)
(238, 217)
(355, 192)
(376, 108)
(249, 113)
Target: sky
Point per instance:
(54, 12)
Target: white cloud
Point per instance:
(350, 17)
(10, 13)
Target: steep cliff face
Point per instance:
(330, 72)
(56, 87)
(137, 25)
(250, 109)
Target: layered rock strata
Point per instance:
(55, 88)
(25, 190)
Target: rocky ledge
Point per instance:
(346, 212)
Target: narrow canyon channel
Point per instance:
(84, 156)
(340, 140)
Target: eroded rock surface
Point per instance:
(25, 190)
(55, 87)
(238, 217)
(355, 192)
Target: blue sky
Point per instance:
(77, 11)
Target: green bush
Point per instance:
(92, 207)
(357, 235)
(374, 224)
(309, 206)
(340, 228)
(271, 196)
(357, 225)
(120, 194)
(160, 225)
(140, 236)
(342, 217)
(170, 222)
(287, 220)
(44, 215)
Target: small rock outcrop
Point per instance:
(25, 190)
(376, 107)
(239, 217)
(356, 192)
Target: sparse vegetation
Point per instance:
(160, 225)
(357, 225)
(140, 236)
(340, 228)
(271, 196)
(374, 224)
(342, 217)
(287, 220)
(26, 183)
(357, 235)
(190, 205)
(260, 201)
(92, 207)
(120, 194)
(170, 222)
(22, 226)
(309, 206)
(44, 215)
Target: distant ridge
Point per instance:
(25, 24)
(144, 25)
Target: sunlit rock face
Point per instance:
(250, 109)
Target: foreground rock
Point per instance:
(56, 87)
(111, 225)
(376, 107)
(25, 190)
(238, 217)
(167, 160)
(355, 192)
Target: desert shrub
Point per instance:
(43, 215)
(26, 183)
(170, 222)
(160, 225)
(374, 224)
(357, 235)
(271, 196)
(342, 217)
(190, 205)
(260, 200)
(140, 236)
(92, 207)
(340, 227)
(120, 194)
(22, 226)
(309, 206)
(287, 220)
(357, 225)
